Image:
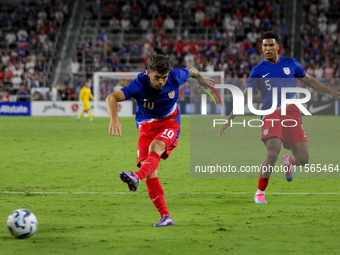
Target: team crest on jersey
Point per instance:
(286, 70)
(171, 94)
(265, 132)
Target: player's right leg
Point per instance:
(294, 139)
(300, 157)
(144, 141)
(288, 166)
(273, 146)
(80, 115)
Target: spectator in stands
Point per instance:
(11, 39)
(135, 24)
(71, 93)
(22, 33)
(189, 59)
(329, 71)
(33, 83)
(67, 80)
(318, 72)
(88, 43)
(89, 72)
(58, 16)
(88, 57)
(102, 37)
(144, 24)
(199, 17)
(77, 83)
(126, 8)
(8, 75)
(48, 46)
(49, 95)
(37, 96)
(159, 22)
(82, 81)
(103, 91)
(2, 73)
(5, 96)
(114, 25)
(62, 92)
(29, 65)
(79, 52)
(5, 58)
(125, 23)
(153, 10)
(22, 90)
(75, 66)
(40, 67)
(169, 24)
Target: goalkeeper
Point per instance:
(84, 96)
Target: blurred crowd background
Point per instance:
(59, 44)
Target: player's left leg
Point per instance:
(156, 194)
(90, 116)
(151, 163)
(273, 147)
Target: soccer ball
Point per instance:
(22, 223)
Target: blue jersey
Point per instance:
(267, 75)
(156, 104)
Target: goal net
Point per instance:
(189, 100)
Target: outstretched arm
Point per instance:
(315, 84)
(111, 105)
(232, 116)
(194, 73)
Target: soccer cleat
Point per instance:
(77, 119)
(131, 179)
(93, 120)
(166, 220)
(289, 173)
(259, 199)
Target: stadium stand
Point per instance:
(29, 37)
(320, 42)
(212, 36)
(116, 36)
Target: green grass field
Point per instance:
(67, 173)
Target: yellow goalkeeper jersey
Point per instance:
(85, 94)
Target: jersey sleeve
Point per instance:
(181, 75)
(131, 90)
(299, 71)
(91, 96)
(253, 79)
(81, 94)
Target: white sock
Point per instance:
(287, 161)
(259, 192)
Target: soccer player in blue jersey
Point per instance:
(277, 72)
(158, 119)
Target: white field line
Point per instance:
(169, 193)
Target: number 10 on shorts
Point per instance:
(168, 134)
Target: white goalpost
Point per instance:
(116, 78)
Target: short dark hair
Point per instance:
(159, 63)
(271, 35)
